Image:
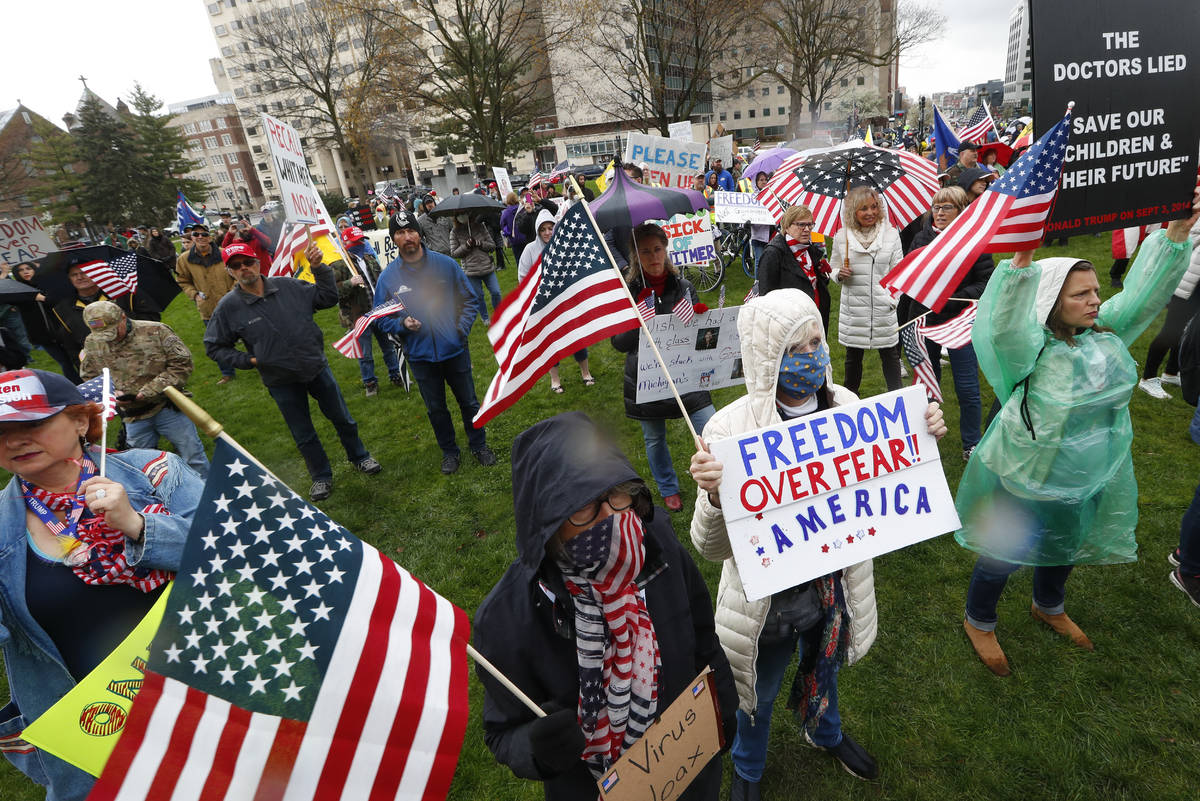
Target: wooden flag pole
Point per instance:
(211, 428)
(662, 363)
(105, 395)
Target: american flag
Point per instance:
(293, 661)
(572, 298)
(116, 278)
(348, 345)
(293, 239)
(721, 298)
(909, 183)
(1009, 216)
(646, 307)
(757, 145)
(955, 332)
(684, 310)
(535, 179)
(93, 391)
(1126, 240)
(913, 342)
(753, 293)
(978, 126)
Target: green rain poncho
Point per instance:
(1067, 496)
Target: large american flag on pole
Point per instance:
(1009, 216)
(115, 278)
(348, 345)
(293, 662)
(978, 126)
(573, 297)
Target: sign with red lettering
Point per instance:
(824, 491)
(690, 238)
(24, 239)
(666, 162)
(291, 170)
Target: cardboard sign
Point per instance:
(384, 246)
(741, 207)
(704, 354)
(830, 489)
(690, 238)
(721, 147)
(1132, 70)
(85, 724)
(300, 202)
(24, 239)
(503, 182)
(680, 131)
(668, 163)
(673, 750)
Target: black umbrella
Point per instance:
(469, 203)
(154, 277)
(15, 292)
(626, 203)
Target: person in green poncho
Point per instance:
(1051, 484)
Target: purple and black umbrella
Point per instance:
(768, 162)
(626, 203)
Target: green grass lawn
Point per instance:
(1120, 723)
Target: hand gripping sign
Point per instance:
(818, 493)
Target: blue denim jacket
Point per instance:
(37, 677)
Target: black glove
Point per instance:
(556, 742)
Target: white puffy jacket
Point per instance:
(768, 325)
(1187, 284)
(867, 315)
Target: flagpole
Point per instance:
(641, 320)
(105, 394)
(483, 662)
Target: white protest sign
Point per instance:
(721, 147)
(741, 207)
(24, 239)
(295, 184)
(668, 163)
(690, 238)
(704, 354)
(680, 131)
(821, 492)
(503, 183)
(384, 246)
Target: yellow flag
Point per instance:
(602, 181)
(330, 253)
(867, 138)
(83, 727)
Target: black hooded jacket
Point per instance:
(970, 287)
(777, 269)
(526, 624)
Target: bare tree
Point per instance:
(322, 62)
(813, 46)
(649, 64)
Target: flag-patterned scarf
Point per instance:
(617, 649)
(99, 555)
(823, 652)
(806, 263)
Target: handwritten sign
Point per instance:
(300, 202)
(384, 247)
(704, 354)
(24, 239)
(741, 207)
(503, 182)
(690, 238)
(668, 162)
(680, 131)
(672, 751)
(721, 147)
(818, 493)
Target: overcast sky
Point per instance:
(166, 44)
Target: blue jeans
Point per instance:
(965, 368)
(1194, 427)
(225, 369)
(11, 320)
(179, 431)
(988, 580)
(432, 378)
(292, 400)
(749, 750)
(366, 362)
(758, 248)
(493, 287)
(1189, 538)
(654, 432)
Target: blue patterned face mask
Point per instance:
(802, 374)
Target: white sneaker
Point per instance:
(1167, 378)
(1153, 388)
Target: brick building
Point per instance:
(223, 158)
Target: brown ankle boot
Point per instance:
(1064, 626)
(986, 645)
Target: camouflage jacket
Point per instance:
(149, 359)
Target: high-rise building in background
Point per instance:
(1018, 68)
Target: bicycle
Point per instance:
(733, 243)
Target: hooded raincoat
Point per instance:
(525, 626)
(1059, 451)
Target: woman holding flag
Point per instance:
(83, 556)
(1051, 484)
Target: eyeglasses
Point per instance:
(803, 226)
(203, 234)
(943, 209)
(617, 501)
(239, 264)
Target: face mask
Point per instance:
(802, 374)
(590, 548)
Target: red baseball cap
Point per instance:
(353, 234)
(238, 249)
(35, 395)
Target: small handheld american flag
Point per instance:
(93, 391)
(646, 307)
(684, 310)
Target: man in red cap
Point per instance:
(273, 317)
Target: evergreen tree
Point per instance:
(161, 162)
(106, 144)
(53, 159)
